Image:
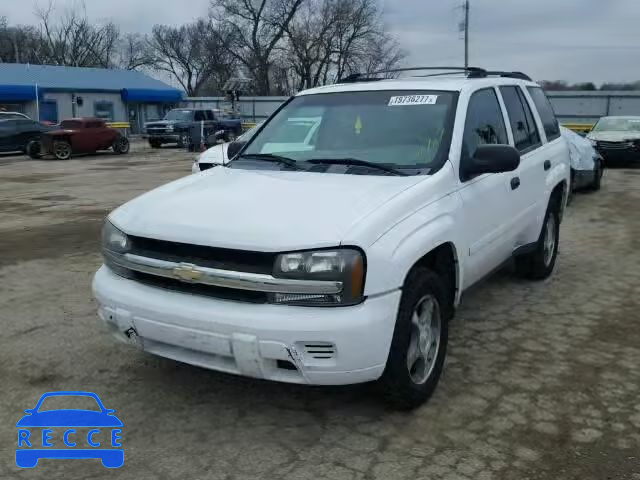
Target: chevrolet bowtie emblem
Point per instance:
(187, 272)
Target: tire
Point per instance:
(597, 180)
(155, 143)
(121, 145)
(539, 264)
(34, 149)
(184, 140)
(62, 149)
(407, 384)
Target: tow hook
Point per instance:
(134, 338)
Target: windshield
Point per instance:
(618, 125)
(70, 124)
(248, 135)
(398, 129)
(179, 115)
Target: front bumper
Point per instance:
(583, 179)
(164, 137)
(621, 155)
(313, 345)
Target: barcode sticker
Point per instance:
(413, 100)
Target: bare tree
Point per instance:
(258, 27)
(134, 52)
(195, 54)
(330, 39)
(309, 46)
(73, 40)
(19, 44)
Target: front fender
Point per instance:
(392, 256)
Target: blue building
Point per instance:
(54, 93)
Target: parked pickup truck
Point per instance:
(343, 258)
(177, 125)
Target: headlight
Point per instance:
(593, 142)
(114, 241)
(344, 265)
(169, 128)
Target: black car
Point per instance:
(179, 124)
(16, 133)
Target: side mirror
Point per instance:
(491, 159)
(234, 148)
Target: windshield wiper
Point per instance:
(357, 162)
(270, 157)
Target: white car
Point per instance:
(617, 139)
(587, 166)
(342, 259)
(295, 130)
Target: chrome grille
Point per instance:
(614, 145)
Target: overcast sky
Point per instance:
(574, 40)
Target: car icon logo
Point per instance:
(85, 433)
(187, 272)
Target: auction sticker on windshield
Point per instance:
(413, 100)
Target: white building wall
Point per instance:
(89, 100)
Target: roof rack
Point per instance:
(470, 72)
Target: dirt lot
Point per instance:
(542, 381)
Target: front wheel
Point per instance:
(62, 149)
(419, 344)
(184, 140)
(539, 264)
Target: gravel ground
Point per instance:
(542, 380)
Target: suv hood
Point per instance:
(260, 210)
(161, 123)
(614, 136)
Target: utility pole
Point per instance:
(466, 33)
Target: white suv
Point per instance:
(342, 260)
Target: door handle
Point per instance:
(515, 183)
(547, 164)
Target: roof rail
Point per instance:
(471, 72)
(360, 77)
(518, 75)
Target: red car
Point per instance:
(78, 135)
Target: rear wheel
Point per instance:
(597, 177)
(34, 149)
(121, 145)
(419, 344)
(62, 149)
(539, 264)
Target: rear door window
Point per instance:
(484, 124)
(545, 110)
(209, 115)
(199, 116)
(525, 132)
